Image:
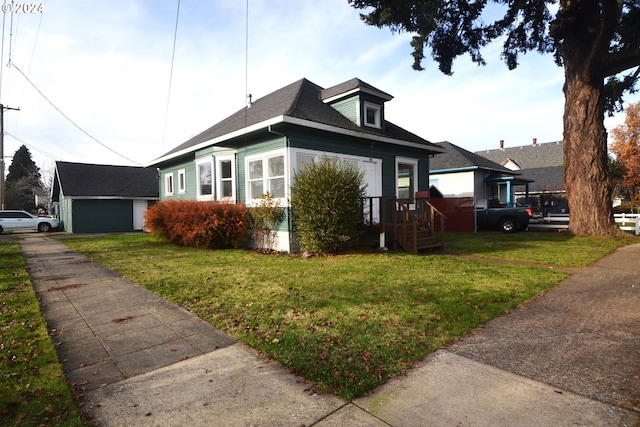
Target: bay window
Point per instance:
(205, 181)
(225, 178)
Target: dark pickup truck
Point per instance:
(490, 213)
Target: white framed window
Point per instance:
(266, 174)
(370, 167)
(275, 176)
(226, 178)
(204, 176)
(256, 179)
(303, 160)
(168, 184)
(182, 181)
(406, 178)
(372, 115)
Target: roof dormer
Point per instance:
(511, 164)
(358, 101)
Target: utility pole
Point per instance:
(2, 188)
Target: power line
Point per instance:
(66, 117)
(10, 33)
(4, 19)
(173, 55)
(35, 43)
(33, 147)
(246, 60)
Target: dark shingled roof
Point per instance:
(543, 163)
(458, 158)
(350, 85)
(545, 179)
(89, 180)
(302, 100)
(529, 156)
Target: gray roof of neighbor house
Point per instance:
(531, 156)
(543, 163)
(300, 103)
(545, 179)
(457, 158)
(82, 180)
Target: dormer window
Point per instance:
(372, 113)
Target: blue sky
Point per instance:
(106, 65)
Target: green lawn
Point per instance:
(350, 322)
(552, 248)
(33, 390)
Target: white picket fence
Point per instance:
(627, 222)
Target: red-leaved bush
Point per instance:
(208, 225)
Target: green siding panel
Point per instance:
(102, 216)
(191, 185)
(348, 108)
(65, 210)
(315, 140)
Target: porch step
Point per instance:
(424, 240)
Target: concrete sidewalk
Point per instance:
(569, 358)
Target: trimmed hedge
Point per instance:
(326, 206)
(207, 225)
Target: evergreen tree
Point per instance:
(593, 40)
(23, 181)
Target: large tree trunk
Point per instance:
(586, 177)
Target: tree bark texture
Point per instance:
(586, 165)
(585, 28)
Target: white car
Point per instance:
(22, 220)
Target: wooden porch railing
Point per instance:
(416, 224)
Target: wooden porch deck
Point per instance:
(415, 224)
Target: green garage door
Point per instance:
(102, 216)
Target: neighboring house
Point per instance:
(543, 164)
(259, 148)
(91, 198)
(461, 173)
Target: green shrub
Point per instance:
(326, 204)
(208, 225)
(266, 217)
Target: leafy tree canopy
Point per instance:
(626, 147)
(608, 29)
